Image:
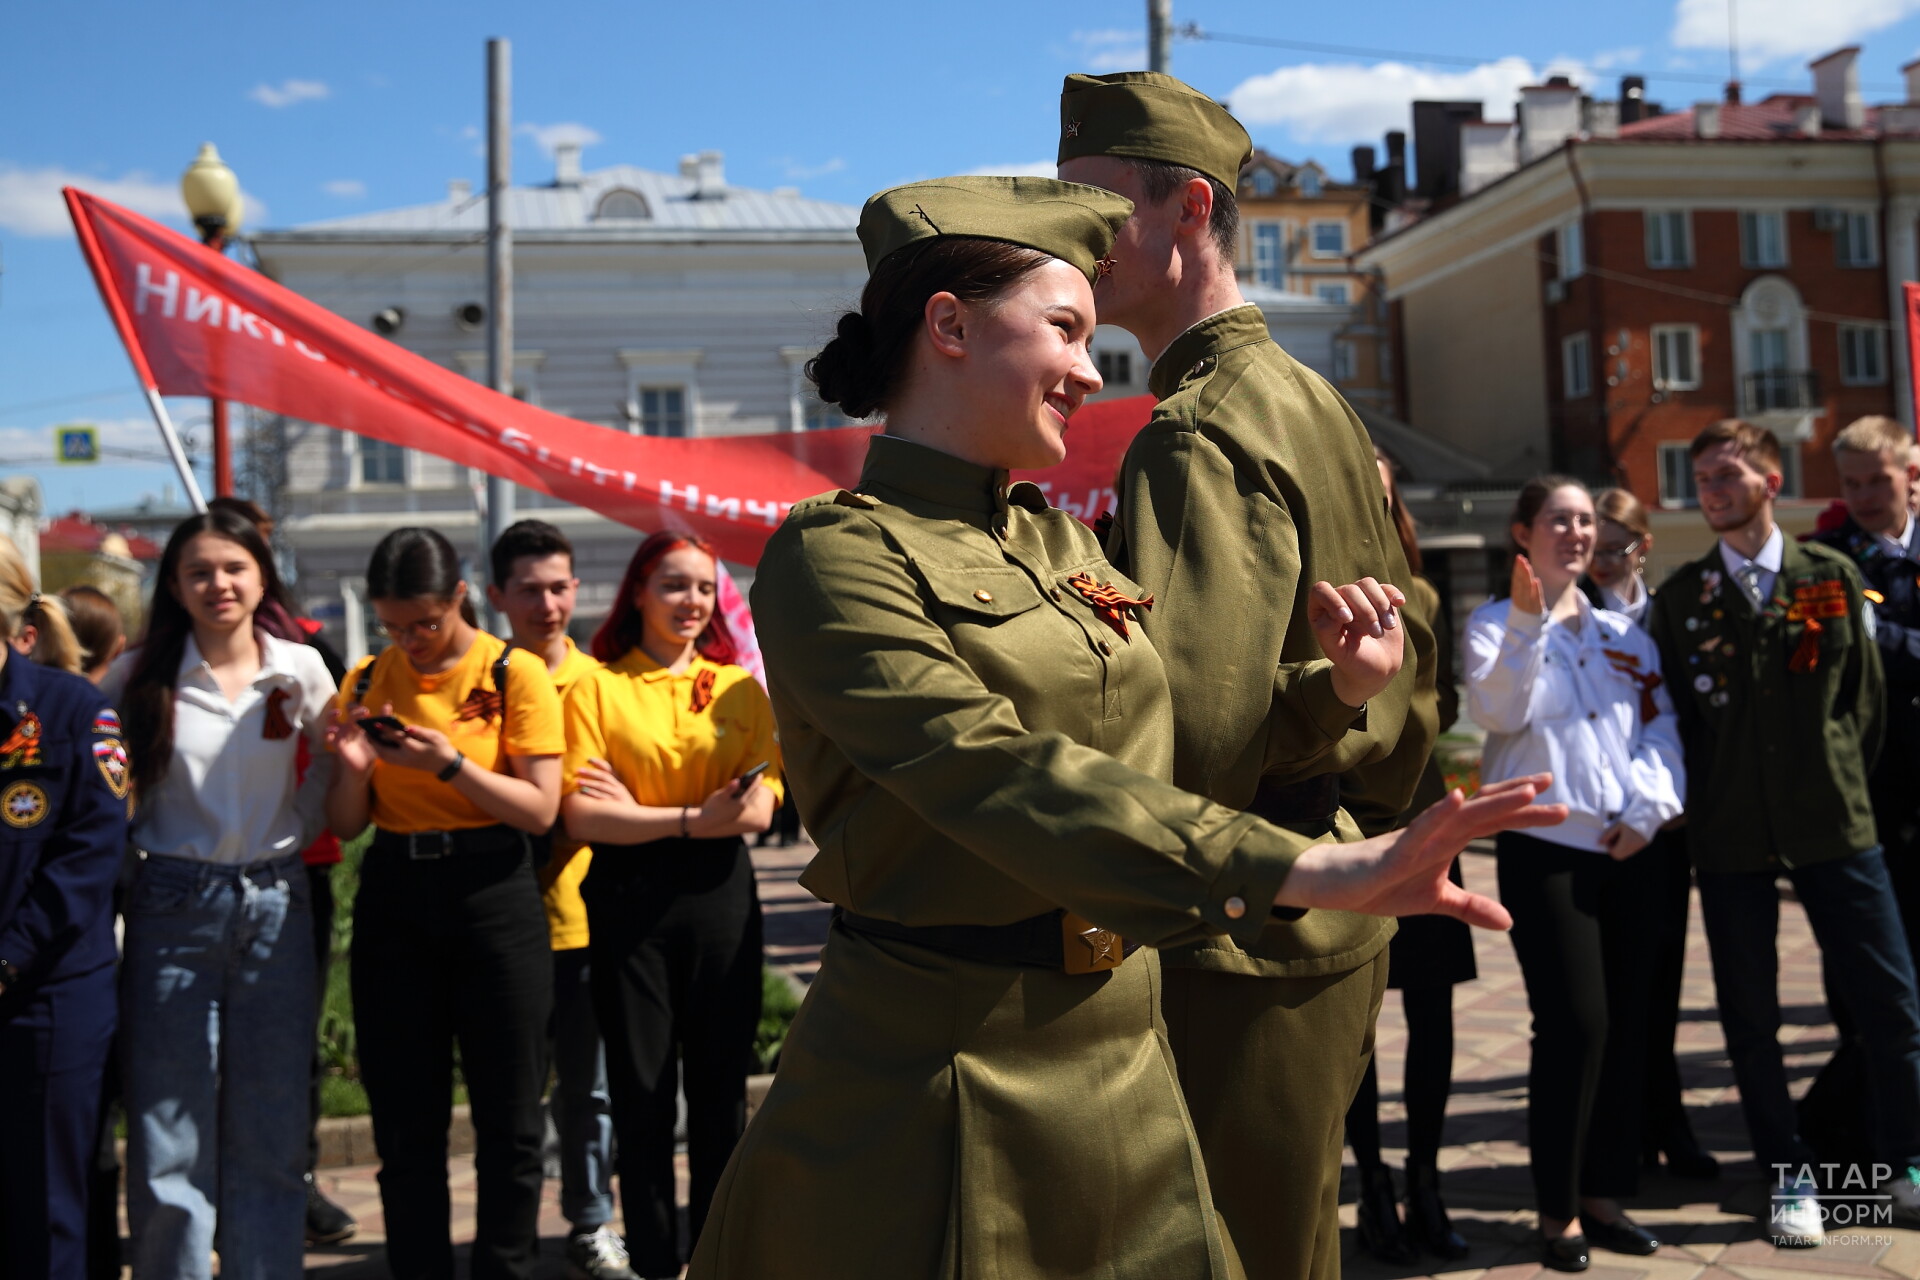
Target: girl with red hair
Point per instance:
(659, 742)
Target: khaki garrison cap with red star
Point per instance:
(1071, 222)
(1144, 115)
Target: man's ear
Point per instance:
(1196, 208)
(945, 318)
(497, 598)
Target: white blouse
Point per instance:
(230, 794)
(1589, 707)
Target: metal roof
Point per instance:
(674, 204)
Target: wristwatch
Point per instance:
(453, 767)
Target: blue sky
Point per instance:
(349, 107)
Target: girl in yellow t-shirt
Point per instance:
(657, 743)
(449, 936)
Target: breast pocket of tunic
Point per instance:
(1554, 697)
(993, 617)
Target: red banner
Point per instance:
(197, 324)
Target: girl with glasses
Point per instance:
(450, 943)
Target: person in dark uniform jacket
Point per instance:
(63, 825)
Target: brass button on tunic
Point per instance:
(966, 754)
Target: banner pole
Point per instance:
(174, 449)
(500, 496)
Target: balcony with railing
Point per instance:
(1779, 391)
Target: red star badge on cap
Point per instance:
(1073, 128)
(1103, 268)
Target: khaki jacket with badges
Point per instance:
(1781, 714)
(1252, 481)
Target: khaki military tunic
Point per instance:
(971, 743)
(1252, 481)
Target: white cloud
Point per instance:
(549, 136)
(30, 203)
(1114, 49)
(1021, 169)
(1609, 59)
(1774, 29)
(345, 188)
(288, 92)
(801, 172)
(1350, 102)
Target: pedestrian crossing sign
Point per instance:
(74, 443)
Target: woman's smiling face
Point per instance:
(1029, 366)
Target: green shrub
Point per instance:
(779, 1001)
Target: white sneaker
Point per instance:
(1794, 1222)
(1904, 1190)
(598, 1255)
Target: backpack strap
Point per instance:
(363, 679)
(501, 666)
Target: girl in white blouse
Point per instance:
(1559, 685)
(217, 990)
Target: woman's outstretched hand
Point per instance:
(1404, 873)
(1358, 627)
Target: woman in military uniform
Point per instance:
(63, 826)
(979, 736)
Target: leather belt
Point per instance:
(1308, 807)
(428, 846)
(1057, 940)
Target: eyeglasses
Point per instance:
(1612, 556)
(404, 629)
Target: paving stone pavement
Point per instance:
(1706, 1235)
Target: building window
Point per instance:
(1763, 239)
(1676, 476)
(1329, 239)
(1264, 182)
(1116, 367)
(621, 205)
(1676, 357)
(1669, 238)
(1855, 242)
(1863, 355)
(1790, 471)
(380, 462)
(1576, 366)
(1335, 292)
(1269, 254)
(1310, 183)
(1573, 251)
(663, 411)
(818, 415)
(1343, 362)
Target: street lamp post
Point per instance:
(212, 195)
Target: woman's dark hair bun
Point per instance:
(844, 372)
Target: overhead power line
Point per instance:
(1194, 31)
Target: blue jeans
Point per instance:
(1850, 904)
(217, 1033)
(582, 1108)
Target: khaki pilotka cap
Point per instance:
(1144, 115)
(1071, 222)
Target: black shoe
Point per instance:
(1621, 1236)
(1379, 1213)
(1568, 1253)
(327, 1222)
(1427, 1224)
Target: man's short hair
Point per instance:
(1756, 445)
(1159, 179)
(534, 538)
(1876, 433)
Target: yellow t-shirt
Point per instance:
(460, 702)
(669, 752)
(560, 878)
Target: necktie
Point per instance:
(1750, 583)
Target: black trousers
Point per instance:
(1428, 1082)
(1576, 932)
(320, 885)
(445, 951)
(1663, 931)
(674, 929)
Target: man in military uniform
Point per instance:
(1251, 487)
(1769, 648)
(63, 828)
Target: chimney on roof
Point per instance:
(709, 176)
(1806, 121)
(1836, 87)
(1489, 151)
(1549, 115)
(1393, 178)
(1436, 146)
(459, 189)
(566, 164)
(690, 167)
(1733, 93)
(1633, 99)
(1912, 72)
(1706, 119)
(1599, 119)
(1363, 166)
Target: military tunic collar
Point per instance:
(1219, 333)
(913, 470)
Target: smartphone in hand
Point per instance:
(747, 779)
(388, 731)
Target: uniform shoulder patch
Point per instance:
(107, 721)
(110, 754)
